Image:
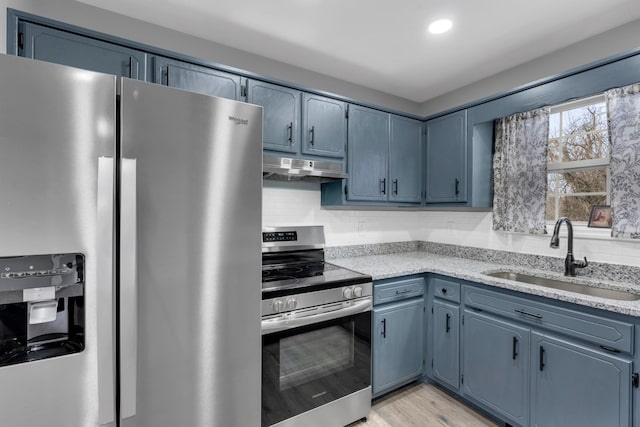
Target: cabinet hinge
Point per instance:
(461, 379)
(21, 40)
(243, 91)
(431, 310)
(346, 112)
(462, 320)
(432, 363)
(346, 190)
(635, 380)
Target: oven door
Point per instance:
(308, 366)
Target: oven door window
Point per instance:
(309, 366)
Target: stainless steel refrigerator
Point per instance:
(130, 226)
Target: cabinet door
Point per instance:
(575, 386)
(368, 136)
(405, 159)
(195, 78)
(446, 344)
(397, 343)
(446, 159)
(61, 47)
(281, 112)
(324, 126)
(496, 365)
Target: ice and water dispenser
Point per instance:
(41, 307)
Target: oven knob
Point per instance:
(357, 292)
(347, 293)
(291, 304)
(277, 306)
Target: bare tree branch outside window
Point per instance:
(578, 159)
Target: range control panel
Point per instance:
(280, 236)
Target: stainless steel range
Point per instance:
(316, 333)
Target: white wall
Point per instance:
(100, 20)
(299, 204)
(622, 39)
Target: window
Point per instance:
(577, 159)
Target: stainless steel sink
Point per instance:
(565, 286)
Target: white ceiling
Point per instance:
(384, 45)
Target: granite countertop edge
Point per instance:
(417, 262)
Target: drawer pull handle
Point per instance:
(448, 323)
(609, 349)
(444, 290)
(541, 358)
(514, 352)
(405, 291)
(537, 316)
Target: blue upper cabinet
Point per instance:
(281, 109)
(194, 78)
(405, 160)
(446, 159)
(384, 161)
(61, 47)
(324, 126)
(368, 136)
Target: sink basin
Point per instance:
(565, 286)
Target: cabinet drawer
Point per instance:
(398, 290)
(446, 289)
(612, 334)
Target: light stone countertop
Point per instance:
(416, 262)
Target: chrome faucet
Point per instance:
(570, 264)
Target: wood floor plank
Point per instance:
(422, 405)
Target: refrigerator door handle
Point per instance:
(105, 289)
(128, 290)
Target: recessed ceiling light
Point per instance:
(440, 26)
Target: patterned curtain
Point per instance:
(520, 172)
(623, 111)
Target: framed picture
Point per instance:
(600, 217)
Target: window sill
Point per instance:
(581, 231)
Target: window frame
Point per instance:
(579, 165)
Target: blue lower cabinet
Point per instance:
(572, 385)
(496, 365)
(398, 331)
(446, 343)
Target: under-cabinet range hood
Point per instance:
(290, 169)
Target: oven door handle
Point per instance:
(276, 325)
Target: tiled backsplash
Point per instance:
(299, 204)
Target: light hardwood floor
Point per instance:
(422, 405)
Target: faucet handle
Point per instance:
(581, 264)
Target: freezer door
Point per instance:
(190, 259)
(57, 143)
